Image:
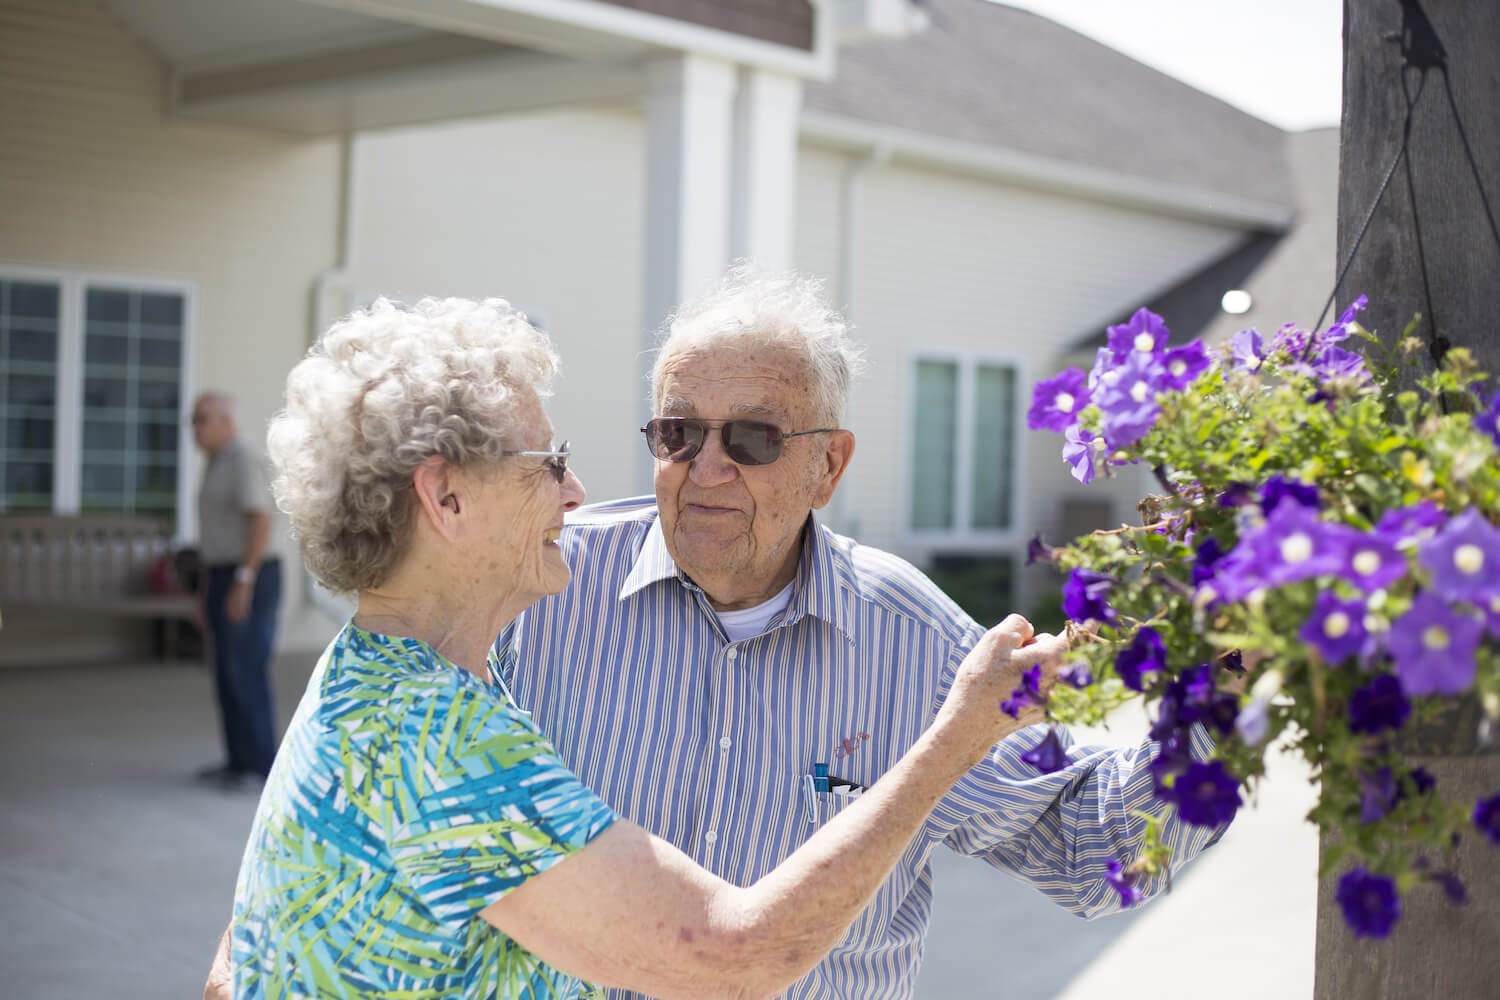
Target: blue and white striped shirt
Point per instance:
(707, 742)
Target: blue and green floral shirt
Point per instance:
(407, 796)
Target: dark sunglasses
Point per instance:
(746, 442)
(557, 460)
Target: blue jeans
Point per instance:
(242, 660)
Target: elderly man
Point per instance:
(729, 673)
(241, 592)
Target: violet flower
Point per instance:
(1129, 406)
(1464, 559)
(1079, 452)
(1487, 421)
(1487, 817)
(1038, 550)
(1378, 706)
(1335, 628)
(1206, 794)
(1373, 562)
(1433, 647)
(1377, 794)
(1247, 350)
(1370, 903)
(1077, 674)
(1144, 333)
(1145, 653)
(1181, 366)
(1086, 596)
(1056, 402)
(1406, 523)
(1279, 488)
(1122, 881)
(1049, 755)
(1029, 693)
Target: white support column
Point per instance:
(689, 117)
(764, 192)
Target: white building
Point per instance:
(189, 192)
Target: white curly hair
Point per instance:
(783, 307)
(383, 390)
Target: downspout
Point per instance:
(849, 189)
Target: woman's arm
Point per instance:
(631, 910)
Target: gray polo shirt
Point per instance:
(233, 486)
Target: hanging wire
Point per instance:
(1421, 50)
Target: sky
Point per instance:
(1280, 60)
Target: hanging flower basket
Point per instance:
(1320, 570)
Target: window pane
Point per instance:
(107, 435)
(30, 299)
(34, 433)
(982, 585)
(108, 306)
(994, 446)
(132, 387)
(32, 345)
(934, 441)
(28, 392)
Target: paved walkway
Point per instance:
(116, 869)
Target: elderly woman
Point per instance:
(409, 840)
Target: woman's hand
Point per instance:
(989, 674)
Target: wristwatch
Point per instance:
(244, 574)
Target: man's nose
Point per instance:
(573, 493)
(712, 465)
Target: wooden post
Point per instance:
(1437, 949)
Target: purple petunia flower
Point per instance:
(1086, 596)
(1123, 882)
(1452, 887)
(1076, 674)
(1370, 903)
(1206, 794)
(1205, 555)
(1236, 494)
(1340, 329)
(1247, 350)
(1144, 333)
(1129, 406)
(1487, 817)
(1029, 693)
(1291, 338)
(1181, 366)
(1464, 559)
(1079, 450)
(1336, 627)
(1337, 363)
(1377, 794)
(1170, 762)
(1487, 421)
(1378, 706)
(1056, 402)
(1292, 545)
(1415, 522)
(1145, 653)
(1038, 550)
(1253, 723)
(1433, 647)
(1372, 561)
(1279, 488)
(1049, 755)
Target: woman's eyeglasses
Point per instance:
(557, 459)
(746, 442)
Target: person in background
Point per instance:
(240, 588)
(419, 836)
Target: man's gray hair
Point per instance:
(381, 392)
(783, 307)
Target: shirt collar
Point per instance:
(824, 586)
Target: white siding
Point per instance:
(543, 210)
(95, 180)
(955, 263)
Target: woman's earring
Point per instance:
(449, 501)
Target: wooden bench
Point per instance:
(88, 565)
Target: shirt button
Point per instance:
(711, 837)
(725, 742)
(731, 654)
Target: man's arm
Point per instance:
(220, 985)
(1059, 831)
(241, 592)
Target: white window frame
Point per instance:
(67, 428)
(963, 536)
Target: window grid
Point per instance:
(28, 393)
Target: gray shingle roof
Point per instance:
(1005, 78)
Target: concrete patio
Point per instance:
(117, 869)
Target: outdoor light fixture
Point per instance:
(1236, 302)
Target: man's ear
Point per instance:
(439, 487)
(836, 458)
